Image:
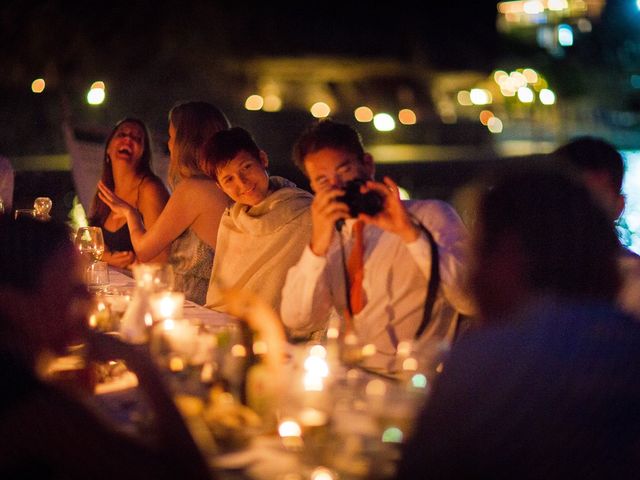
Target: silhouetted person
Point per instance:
(548, 388)
(600, 165)
(46, 432)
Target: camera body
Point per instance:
(370, 203)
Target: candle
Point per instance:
(180, 335)
(166, 305)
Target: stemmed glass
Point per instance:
(90, 243)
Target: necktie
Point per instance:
(355, 268)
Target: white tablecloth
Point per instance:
(192, 311)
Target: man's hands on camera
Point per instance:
(327, 209)
(394, 217)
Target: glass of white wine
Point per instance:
(90, 243)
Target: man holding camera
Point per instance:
(392, 293)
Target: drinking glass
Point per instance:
(24, 212)
(42, 207)
(153, 277)
(98, 275)
(90, 243)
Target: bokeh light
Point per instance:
(37, 86)
(530, 75)
(96, 96)
(384, 122)
(320, 110)
(547, 97)
(407, 117)
(254, 102)
(480, 96)
(392, 435)
(565, 35)
(485, 115)
(525, 95)
(495, 125)
(404, 194)
(464, 98)
(363, 114)
(272, 103)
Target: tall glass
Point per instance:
(90, 243)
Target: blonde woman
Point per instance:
(190, 220)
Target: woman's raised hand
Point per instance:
(114, 202)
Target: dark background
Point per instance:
(154, 54)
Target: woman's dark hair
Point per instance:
(99, 210)
(570, 243)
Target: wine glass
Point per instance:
(90, 243)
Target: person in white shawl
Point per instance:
(264, 232)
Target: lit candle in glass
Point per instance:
(167, 305)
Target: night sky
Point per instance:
(121, 36)
(151, 54)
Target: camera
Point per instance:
(370, 203)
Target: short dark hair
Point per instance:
(326, 133)
(227, 144)
(591, 154)
(570, 243)
(25, 246)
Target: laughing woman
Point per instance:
(189, 222)
(127, 171)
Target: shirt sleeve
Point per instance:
(306, 298)
(452, 239)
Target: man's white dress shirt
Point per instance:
(395, 283)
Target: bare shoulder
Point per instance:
(197, 188)
(153, 188)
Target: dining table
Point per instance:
(316, 418)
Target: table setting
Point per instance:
(258, 406)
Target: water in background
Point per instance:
(629, 224)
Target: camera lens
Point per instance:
(369, 203)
